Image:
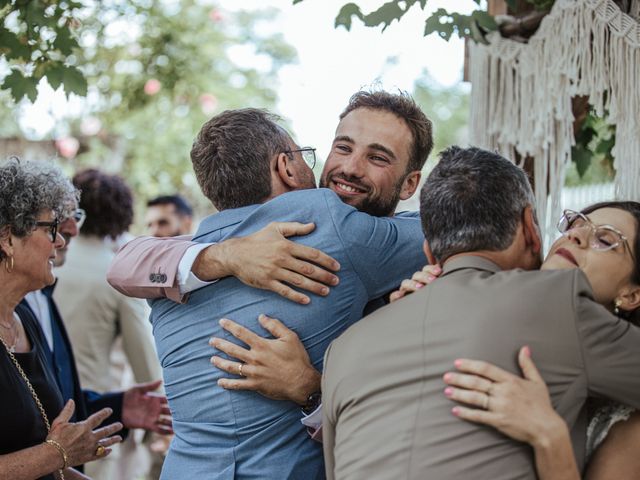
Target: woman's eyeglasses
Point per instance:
(53, 228)
(601, 237)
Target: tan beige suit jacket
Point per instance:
(385, 414)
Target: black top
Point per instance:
(21, 423)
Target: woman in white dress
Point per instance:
(604, 241)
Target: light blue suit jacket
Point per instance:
(237, 434)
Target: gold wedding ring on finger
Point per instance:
(100, 450)
(240, 369)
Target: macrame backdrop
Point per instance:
(521, 93)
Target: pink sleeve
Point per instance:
(147, 267)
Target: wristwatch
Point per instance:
(313, 401)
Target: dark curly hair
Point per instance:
(108, 202)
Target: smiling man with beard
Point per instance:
(375, 157)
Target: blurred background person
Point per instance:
(37, 439)
(168, 216)
(97, 317)
(136, 404)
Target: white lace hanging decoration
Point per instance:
(521, 93)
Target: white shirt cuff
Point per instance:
(187, 280)
(314, 419)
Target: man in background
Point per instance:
(98, 318)
(133, 407)
(168, 216)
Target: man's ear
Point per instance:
(410, 184)
(428, 253)
(531, 230)
(284, 170)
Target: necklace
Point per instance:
(15, 333)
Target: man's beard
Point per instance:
(377, 206)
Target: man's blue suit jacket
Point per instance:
(239, 434)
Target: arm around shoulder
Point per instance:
(147, 267)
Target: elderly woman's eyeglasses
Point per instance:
(53, 229)
(601, 237)
(79, 215)
(308, 155)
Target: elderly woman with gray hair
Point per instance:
(37, 441)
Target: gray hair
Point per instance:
(472, 200)
(29, 188)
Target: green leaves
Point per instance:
(594, 142)
(345, 15)
(64, 41)
(12, 46)
(74, 81)
(444, 23)
(39, 44)
(474, 26)
(20, 86)
(384, 15)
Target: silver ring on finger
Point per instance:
(240, 370)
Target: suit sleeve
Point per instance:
(328, 417)
(383, 251)
(147, 267)
(611, 349)
(137, 339)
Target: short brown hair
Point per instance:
(403, 106)
(232, 153)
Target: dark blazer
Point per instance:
(63, 364)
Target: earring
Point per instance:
(9, 265)
(616, 308)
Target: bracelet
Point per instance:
(59, 447)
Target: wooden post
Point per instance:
(497, 7)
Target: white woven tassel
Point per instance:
(521, 95)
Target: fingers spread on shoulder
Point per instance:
(300, 281)
(529, 369)
(231, 349)
(232, 367)
(289, 229)
(470, 397)
(410, 286)
(469, 382)
(275, 327)
(240, 332)
(233, 384)
(397, 295)
(310, 254)
(475, 415)
(485, 369)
